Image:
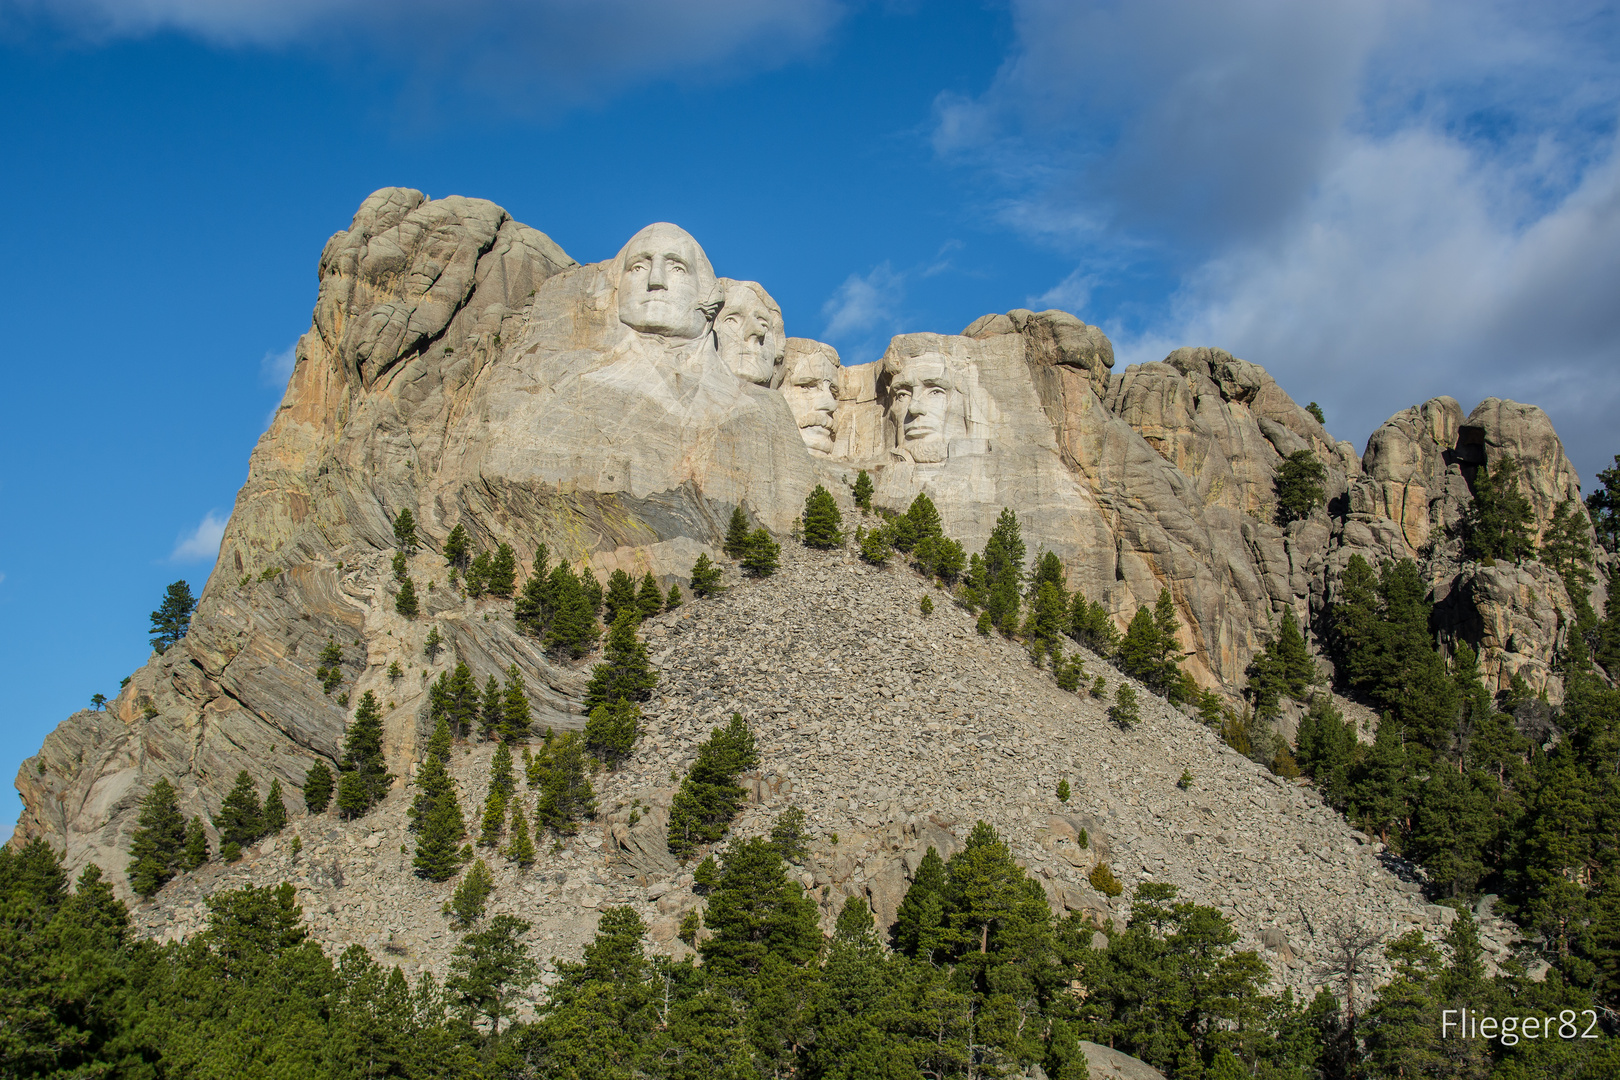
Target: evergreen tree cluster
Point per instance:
(243, 820)
(560, 607)
(1283, 668)
(1499, 522)
(1300, 486)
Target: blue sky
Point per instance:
(1379, 202)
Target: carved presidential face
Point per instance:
(749, 333)
(809, 392)
(664, 282)
(921, 401)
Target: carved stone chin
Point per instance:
(666, 284)
(750, 333)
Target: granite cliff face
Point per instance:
(462, 366)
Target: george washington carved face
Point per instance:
(749, 333)
(666, 285)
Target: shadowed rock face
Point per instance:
(462, 366)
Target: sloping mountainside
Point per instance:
(894, 732)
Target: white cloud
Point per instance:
(1378, 202)
(864, 311)
(202, 543)
(524, 54)
(275, 368)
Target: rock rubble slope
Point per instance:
(894, 732)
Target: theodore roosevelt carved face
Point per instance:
(811, 376)
(923, 406)
(749, 333)
(666, 285)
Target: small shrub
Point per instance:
(1085, 839)
(1124, 711)
(1099, 687)
(1186, 780)
(926, 606)
(1063, 791)
(1103, 880)
(984, 624)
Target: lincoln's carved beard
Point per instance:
(664, 282)
(920, 408)
(745, 336)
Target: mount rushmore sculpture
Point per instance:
(461, 365)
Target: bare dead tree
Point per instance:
(1350, 947)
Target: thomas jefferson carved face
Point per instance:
(921, 403)
(809, 392)
(749, 332)
(666, 284)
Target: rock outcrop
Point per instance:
(462, 366)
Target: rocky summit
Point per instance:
(462, 367)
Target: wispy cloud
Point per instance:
(1379, 202)
(864, 311)
(275, 368)
(519, 54)
(202, 543)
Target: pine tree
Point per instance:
(433, 777)
(401, 566)
(1004, 572)
(467, 904)
(923, 517)
(318, 787)
(536, 604)
(196, 849)
(521, 849)
(405, 531)
(822, 520)
(489, 969)
(1497, 523)
(1603, 506)
(1326, 748)
(705, 577)
(330, 668)
(673, 600)
(1380, 786)
(501, 777)
(457, 548)
(990, 905)
(791, 835)
(1566, 548)
(1316, 410)
(650, 599)
(592, 590)
(159, 841)
(737, 535)
(756, 912)
(566, 795)
(440, 829)
(454, 698)
(501, 580)
(405, 600)
(1300, 486)
(173, 618)
(493, 823)
(275, 808)
(624, 672)
(573, 629)
(874, 544)
(516, 719)
(611, 730)
(919, 923)
(621, 596)
(863, 489)
(365, 774)
(489, 713)
(241, 818)
(761, 557)
(709, 797)
(1124, 711)
(433, 645)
